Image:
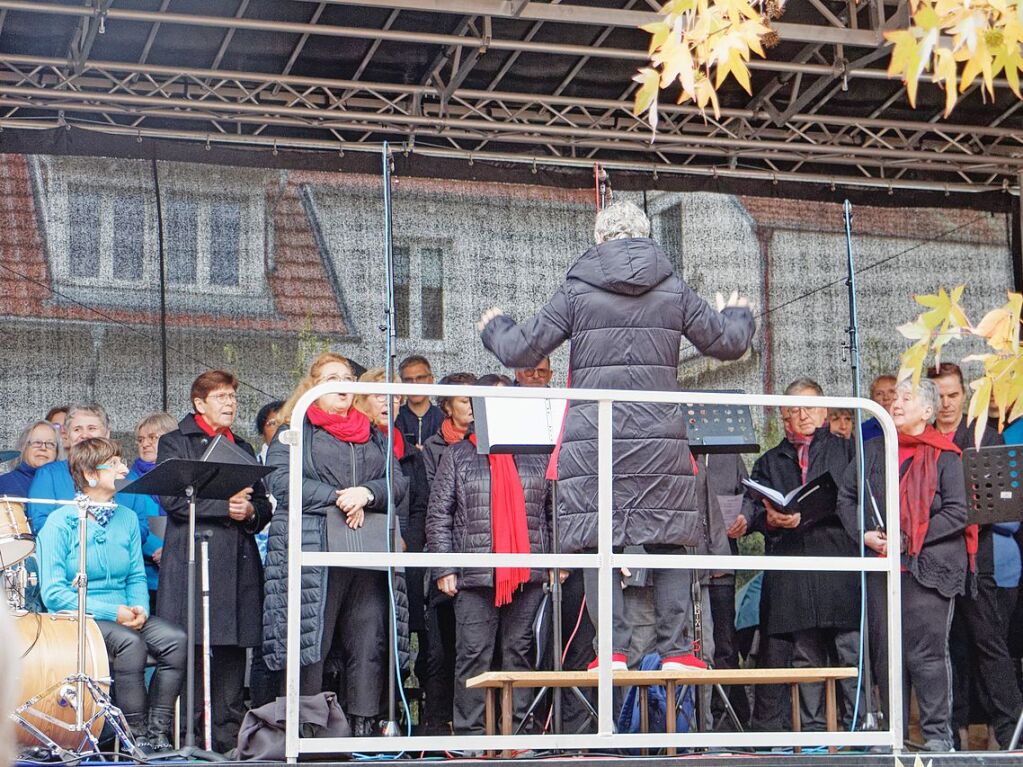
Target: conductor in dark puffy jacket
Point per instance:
(626, 313)
(489, 504)
(344, 610)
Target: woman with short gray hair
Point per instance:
(626, 313)
(934, 545)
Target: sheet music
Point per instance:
(510, 422)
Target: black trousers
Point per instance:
(820, 648)
(980, 655)
(355, 629)
(577, 651)
(771, 706)
(487, 635)
(673, 605)
(726, 650)
(128, 649)
(438, 674)
(227, 695)
(926, 664)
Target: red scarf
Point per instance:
(919, 484)
(508, 530)
(399, 441)
(802, 445)
(209, 431)
(353, 427)
(452, 433)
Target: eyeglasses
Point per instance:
(536, 372)
(227, 396)
(141, 438)
(113, 463)
(273, 422)
(42, 445)
(425, 378)
(337, 379)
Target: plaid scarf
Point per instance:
(802, 445)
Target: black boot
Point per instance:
(362, 726)
(140, 732)
(161, 722)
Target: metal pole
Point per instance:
(391, 728)
(867, 676)
(557, 608)
(207, 654)
(190, 654)
(608, 579)
(83, 582)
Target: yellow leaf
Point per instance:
(979, 406)
(915, 330)
(912, 361)
(659, 32)
(646, 97)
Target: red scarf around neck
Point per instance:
(509, 532)
(209, 431)
(802, 445)
(399, 440)
(450, 432)
(919, 484)
(351, 427)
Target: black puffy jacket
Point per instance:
(458, 518)
(626, 313)
(327, 466)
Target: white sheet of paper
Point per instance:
(524, 421)
(731, 508)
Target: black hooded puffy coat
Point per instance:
(626, 313)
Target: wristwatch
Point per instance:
(372, 497)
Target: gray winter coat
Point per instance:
(626, 313)
(328, 465)
(942, 562)
(458, 517)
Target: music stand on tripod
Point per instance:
(195, 480)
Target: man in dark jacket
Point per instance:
(236, 574)
(977, 640)
(818, 611)
(418, 419)
(626, 313)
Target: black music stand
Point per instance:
(994, 484)
(209, 480)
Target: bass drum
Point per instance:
(48, 644)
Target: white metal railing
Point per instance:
(607, 561)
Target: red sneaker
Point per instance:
(682, 663)
(619, 662)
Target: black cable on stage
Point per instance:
(114, 321)
(163, 283)
(867, 268)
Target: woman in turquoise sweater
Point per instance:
(117, 596)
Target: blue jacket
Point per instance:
(17, 482)
(54, 481)
(152, 542)
(113, 563)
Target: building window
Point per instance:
(107, 241)
(419, 291)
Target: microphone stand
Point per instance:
(870, 718)
(391, 727)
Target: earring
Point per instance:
(93, 483)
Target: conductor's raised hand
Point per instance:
(776, 519)
(239, 506)
(735, 301)
(487, 316)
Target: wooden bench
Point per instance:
(506, 681)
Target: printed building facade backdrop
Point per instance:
(259, 270)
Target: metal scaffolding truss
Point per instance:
(510, 80)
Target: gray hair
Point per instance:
(90, 409)
(27, 432)
(804, 383)
(620, 220)
(927, 394)
(162, 422)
